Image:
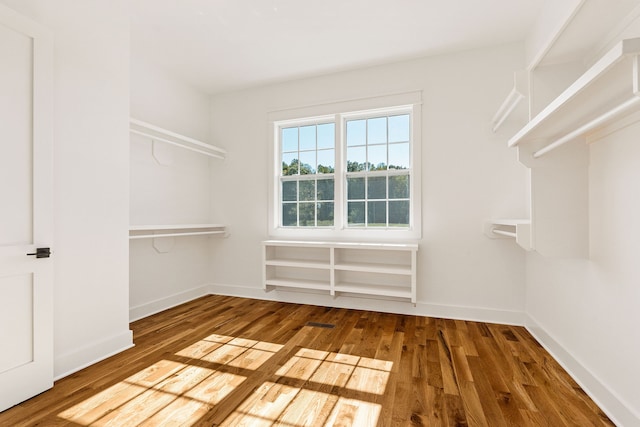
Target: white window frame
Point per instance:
(408, 102)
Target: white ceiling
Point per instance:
(223, 45)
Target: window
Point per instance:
(378, 171)
(308, 167)
(348, 173)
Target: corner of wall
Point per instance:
(614, 406)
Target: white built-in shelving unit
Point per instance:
(157, 134)
(603, 94)
(375, 269)
(604, 98)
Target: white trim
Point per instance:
(87, 355)
(152, 307)
(362, 302)
(413, 97)
(619, 411)
(409, 102)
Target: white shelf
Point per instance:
(174, 230)
(381, 290)
(517, 94)
(603, 99)
(375, 268)
(374, 246)
(299, 283)
(378, 269)
(517, 229)
(343, 245)
(603, 94)
(158, 134)
(298, 263)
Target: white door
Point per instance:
(26, 191)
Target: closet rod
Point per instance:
(628, 104)
(504, 233)
(195, 233)
(166, 141)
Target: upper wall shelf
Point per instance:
(517, 94)
(174, 230)
(518, 229)
(603, 94)
(156, 133)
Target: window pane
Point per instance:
(307, 214)
(289, 214)
(307, 190)
(290, 164)
(307, 137)
(326, 135)
(325, 189)
(355, 188)
(355, 213)
(377, 214)
(290, 191)
(399, 156)
(377, 187)
(290, 139)
(307, 162)
(356, 158)
(399, 187)
(356, 132)
(326, 161)
(377, 157)
(399, 128)
(377, 130)
(325, 214)
(399, 213)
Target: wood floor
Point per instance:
(238, 362)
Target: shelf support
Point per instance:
(517, 94)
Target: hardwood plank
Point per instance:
(231, 361)
(488, 399)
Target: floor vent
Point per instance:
(321, 325)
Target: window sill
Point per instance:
(342, 234)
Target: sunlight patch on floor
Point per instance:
(311, 388)
(315, 402)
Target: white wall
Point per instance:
(177, 190)
(588, 308)
(91, 162)
(468, 176)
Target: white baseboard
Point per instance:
(156, 306)
(615, 407)
(73, 361)
(374, 304)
